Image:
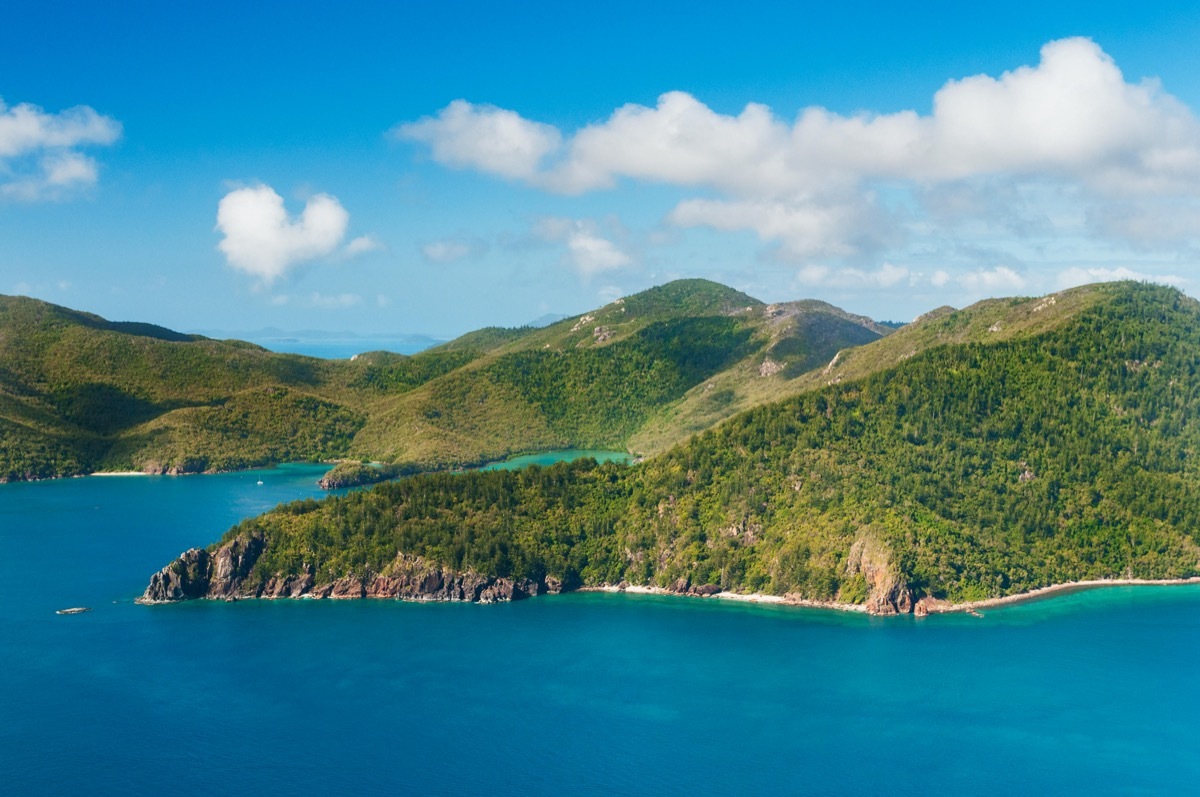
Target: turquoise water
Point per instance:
(550, 457)
(578, 694)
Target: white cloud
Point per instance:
(991, 280)
(809, 184)
(588, 251)
(805, 228)
(39, 151)
(1082, 276)
(340, 301)
(886, 276)
(262, 241)
(363, 244)
(940, 278)
(484, 137)
(450, 250)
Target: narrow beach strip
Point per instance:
(944, 607)
(741, 597)
(924, 606)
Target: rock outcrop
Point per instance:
(684, 586)
(225, 573)
(887, 591)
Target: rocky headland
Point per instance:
(226, 574)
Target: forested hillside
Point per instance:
(1010, 452)
(79, 394)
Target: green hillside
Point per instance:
(78, 393)
(1013, 445)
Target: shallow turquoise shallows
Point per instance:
(566, 455)
(579, 694)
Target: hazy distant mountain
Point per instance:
(546, 320)
(275, 334)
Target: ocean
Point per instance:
(576, 694)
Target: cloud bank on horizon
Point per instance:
(833, 189)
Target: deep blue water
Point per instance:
(589, 694)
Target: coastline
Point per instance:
(925, 606)
(742, 597)
(936, 606)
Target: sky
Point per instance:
(386, 168)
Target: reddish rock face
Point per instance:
(226, 573)
(930, 605)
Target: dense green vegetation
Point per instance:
(599, 396)
(79, 393)
(1029, 442)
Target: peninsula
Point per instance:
(970, 456)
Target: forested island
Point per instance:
(973, 454)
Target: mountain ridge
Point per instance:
(79, 393)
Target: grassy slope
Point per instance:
(79, 393)
(1012, 445)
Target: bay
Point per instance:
(566, 455)
(583, 693)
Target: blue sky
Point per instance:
(401, 168)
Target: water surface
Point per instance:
(565, 455)
(589, 694)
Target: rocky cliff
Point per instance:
(226, 573)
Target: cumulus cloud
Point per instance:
(39, 151)
(1073, 114)
(588, 251)
(806, 228)
(809, 184)
(484, 137)
(261, 240)
(363, 244)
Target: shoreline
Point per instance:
(936, 606)
(740, 597)
(924, 607)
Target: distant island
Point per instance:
(797, 452)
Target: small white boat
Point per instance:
(75, 610)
